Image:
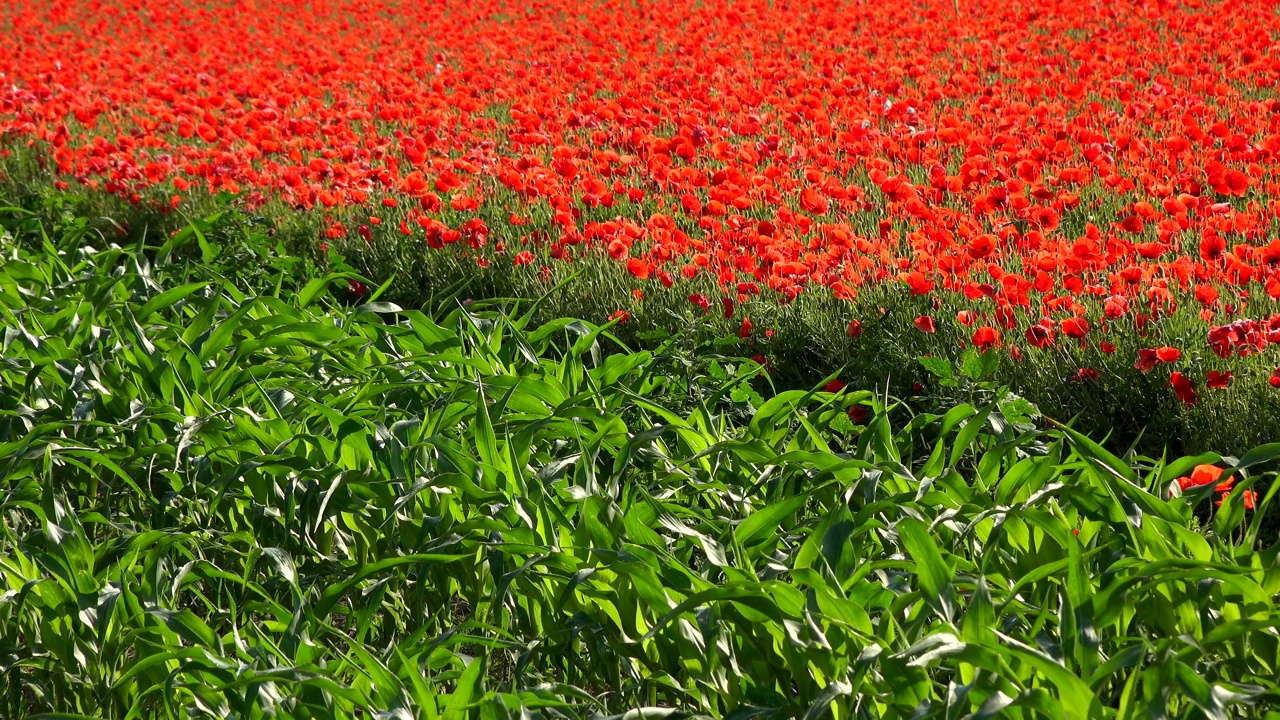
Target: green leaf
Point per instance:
(768, 519)
(1018, 410)
(469, 685)
(379, 307)
(1259, 455)
(1073, 693)
(167, 299)
(821, 704)
(932, 571)
(1098, 456)
(319, 286)
(938, 367)
(335, 592)
(979, 366)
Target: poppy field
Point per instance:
(623, 359)
(1093, 195)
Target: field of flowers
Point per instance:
(1092, 192)
(622, 359)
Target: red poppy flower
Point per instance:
(986, 337)
(1206, 294)
(1147, 360)
(1084, 375)
(1040, 336)
(1116, 306)
(1249, 497)
(835, 386)
(1200, 475)
(855, 328)
(858, 414)
(1275, 378)
(919, 283)
(638, 267)
(924, 323)
(813, 202)
(744, 330)
(1168, 354)
(1075, 327)
(1218, 380)
(982, 246)
(1183, 387)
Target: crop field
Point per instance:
(1093, 194)
(760, 359)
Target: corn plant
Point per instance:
(225, 498)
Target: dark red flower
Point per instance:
(1040, 335)
(1183, 387)
(1084, 375)
(1147, 360)
(1218, 380)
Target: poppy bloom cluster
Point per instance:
(1203, 475)
(1244, 337)
(1053, 175)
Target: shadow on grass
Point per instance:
(805, 341)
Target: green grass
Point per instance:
(223, 492)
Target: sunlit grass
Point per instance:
(227, 494)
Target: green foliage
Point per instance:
(804, 339)
(226, 494)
